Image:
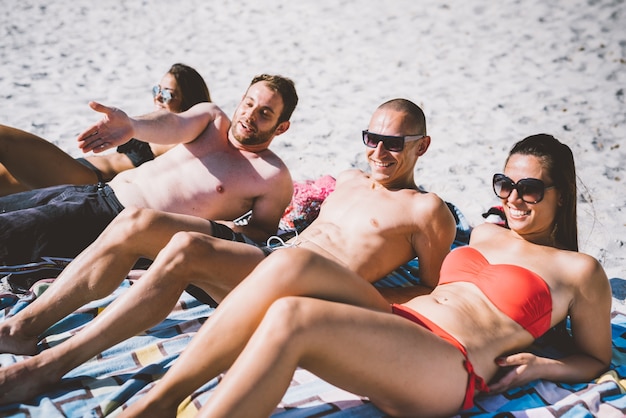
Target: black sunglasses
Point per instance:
(391, 143)
(166, 95)
(529, 190)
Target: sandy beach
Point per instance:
(487, 74)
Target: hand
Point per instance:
(113, 129)
(515, 370)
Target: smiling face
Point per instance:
(168, 82)
(533, 220)
(255, 121)
(394, 169)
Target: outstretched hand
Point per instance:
(113, 129)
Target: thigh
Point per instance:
(402, 367)
(36, 162)
(301, 272)
(185, 245)
(219, 265)
(145, 232)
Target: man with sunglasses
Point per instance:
(371, 223)
(218, 170)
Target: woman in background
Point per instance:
(29, 162)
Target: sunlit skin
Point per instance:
(394, 169)
(398, 226)
(168, 82)
(255, 121)
(49, 165)
(533, 221)
(115, 162)
(321, 335)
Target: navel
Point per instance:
(442, 300)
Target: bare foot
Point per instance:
(14, 344)
(23, 381)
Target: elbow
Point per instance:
(601, 365)
(428, 280)
(605, 360)
(605, 364)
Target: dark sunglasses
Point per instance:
(530, 190)
(391, 143)
(166, 95)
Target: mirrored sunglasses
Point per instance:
(529, 190)
(166, 95)
(391, 143)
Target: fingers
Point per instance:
(100, 107)
(93, 138)
(513, 372)
(504, 379)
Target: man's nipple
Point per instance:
(220, 189)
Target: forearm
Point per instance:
(163, 128)
(572, 369)
(167, 128)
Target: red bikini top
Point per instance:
(518, 292)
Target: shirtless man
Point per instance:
(371, 223)
(220, 170)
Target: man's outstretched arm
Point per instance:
(160, 127)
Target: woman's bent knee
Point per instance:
(287, 317)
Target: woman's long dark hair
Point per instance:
(191, 84)
(558, 160)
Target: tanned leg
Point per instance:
(403, 368)
(95, 274)
(30, 162)
(220, 339)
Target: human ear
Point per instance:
(423, 145)
(282, 127)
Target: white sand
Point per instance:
(486, 74)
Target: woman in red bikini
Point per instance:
(29, 162)
(431, 355)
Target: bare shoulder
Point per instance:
(348, 175)
(431, 213)
(428, 203)
(580, 269)
(486, 232)
(274, 161)
(214, 113)
(205, 107)
(274, 173)
(203, 110)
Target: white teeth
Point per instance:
(517, 213)
(381, 164)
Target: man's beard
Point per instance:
(257, 138)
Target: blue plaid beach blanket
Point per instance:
(118, 376)
(107, 383)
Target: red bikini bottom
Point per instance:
(475, 382)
